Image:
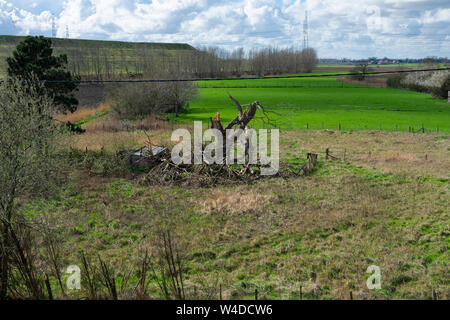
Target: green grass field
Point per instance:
(319, 103)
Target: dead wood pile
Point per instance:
(164, 172)
(205, 175)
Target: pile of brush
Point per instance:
(207, 175)
(163, 171)
(200, 175)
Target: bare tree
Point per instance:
(28, 140)
(361, 71)
(309, 59)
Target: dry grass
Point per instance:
(114, 124)
(108, 141)
(233, 201)
(81, 113)
(388, 152)
(110, 133)
(320, 232)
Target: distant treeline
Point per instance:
(93, 59)
(144, 62)
(426, 60)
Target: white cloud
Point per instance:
(338, 28)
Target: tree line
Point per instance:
(102, 63)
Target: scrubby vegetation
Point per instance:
(138, 100)
(382, 202)
(435, 82)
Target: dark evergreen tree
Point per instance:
(34, 56)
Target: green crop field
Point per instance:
(319, 103)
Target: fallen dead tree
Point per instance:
(163, 171)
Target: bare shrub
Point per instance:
(28, 166)
(168, 266)
(361, 71)
(152, 122)
(137, 100)
(24, 278)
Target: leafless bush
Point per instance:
(90, 279)
(167, 266)
(360, 71)
(108, 278)
(25, 280)
(52, 243)
(28, 166)
(137, 100)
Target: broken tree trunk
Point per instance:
(241, 121)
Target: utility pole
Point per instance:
(14, 26)
(53, 28)
(67, 32)
(305, 32)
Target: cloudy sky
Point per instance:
(337, 28)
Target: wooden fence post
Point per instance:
(256, 294)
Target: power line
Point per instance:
(247, 78)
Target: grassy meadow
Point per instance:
(383, 200)
(324, 103)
